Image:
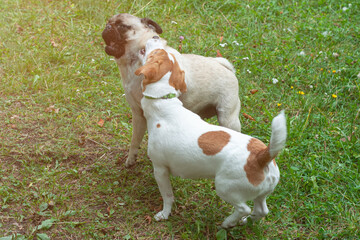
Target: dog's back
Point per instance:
(182, 144)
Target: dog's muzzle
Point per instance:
(115, 45)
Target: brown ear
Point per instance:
(152, 24)
(147, 70)
(177, 78)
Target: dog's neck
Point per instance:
(161, 89)
(167, 96)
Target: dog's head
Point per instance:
(123, 28)
(159, 63)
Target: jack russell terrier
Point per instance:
(182, 144)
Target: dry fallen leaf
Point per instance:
(53, 43)
(19, 29)
(218, 54)
(253, 91)
(248, 117)
(148, 219)
(52, 109)
(101, 122)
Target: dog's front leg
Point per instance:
(139, 128)
(163, 180)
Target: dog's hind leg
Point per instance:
(229, 117)
(163, 180)
(226, 190)
(241, 210)
(260, 209)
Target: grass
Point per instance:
(65, 124)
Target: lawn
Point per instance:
(65, 125)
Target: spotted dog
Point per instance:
(182, 144)
(212, 87)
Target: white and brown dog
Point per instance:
(182, 144)
(212, 87)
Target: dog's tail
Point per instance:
(225, 63)
(278, 134)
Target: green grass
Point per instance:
(60, 176)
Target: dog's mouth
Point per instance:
(114, 36)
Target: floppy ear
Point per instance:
(152, 25)
(148, 70)
(177, 78)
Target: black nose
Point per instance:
(156, 37)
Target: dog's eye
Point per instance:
(121, 26)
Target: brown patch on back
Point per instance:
(213, 142)
(158, 125)
(258, 159)
(274, 162)
(157, 65)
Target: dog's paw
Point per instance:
(243, 221)
(161, 216)
(228, 224)
(130, 161)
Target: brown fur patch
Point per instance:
(258, 159)
(213, 142)
(177, 78)
(157, 65)
(274, 162)
(158, 125)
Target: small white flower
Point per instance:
(248, 6)
(245, 58)
(236, 43)
(326, 94)
(109, 100)
(248, 71)
(311, 86)
(335, 55)
(93, 60)
(345, 9)
(223, 44)
(321, 52)
(325, 33)
(302, 53)
(103, 82)
(275, 81)
(350, 5)
(77, 90)
(173, 22)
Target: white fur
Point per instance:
(211, 82)
(173, 149)
(278, 134)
